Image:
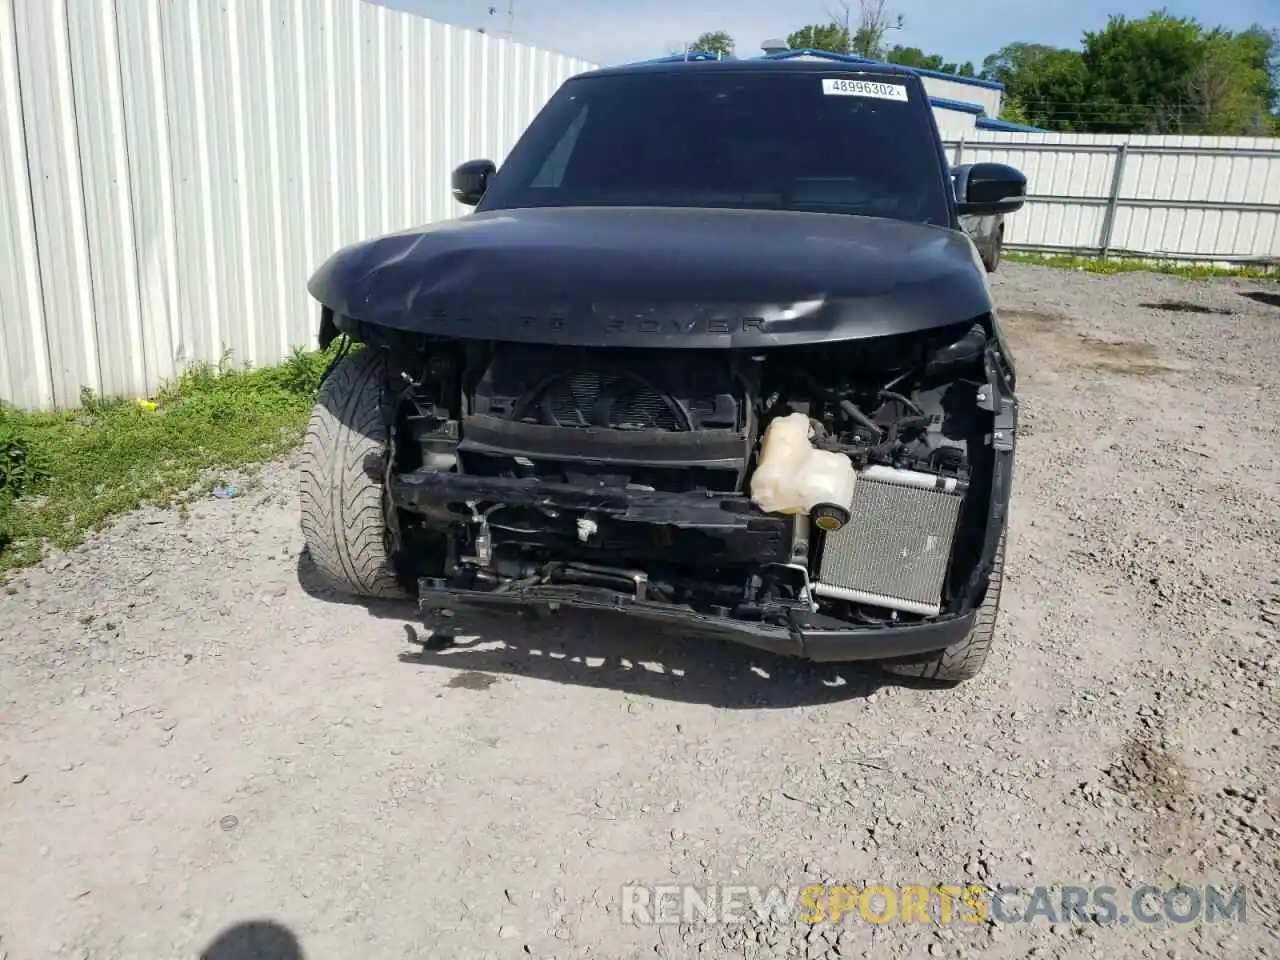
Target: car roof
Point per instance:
(820, 62)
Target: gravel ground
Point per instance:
(191, 737)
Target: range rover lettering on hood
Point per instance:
(711, 325)
(486, 321)
(654, 277)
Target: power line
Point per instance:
(1143, 105)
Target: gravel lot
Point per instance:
(191, 738)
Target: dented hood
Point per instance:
(659, 277)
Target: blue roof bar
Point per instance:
(959, 105)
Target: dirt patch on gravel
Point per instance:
(1123, 357)
(1270, 298)
(1148, 774)
(1051, 341)
(194, 739)
(1183, 306)
(472, 680)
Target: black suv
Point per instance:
(713, 350)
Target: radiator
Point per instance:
(895, 550)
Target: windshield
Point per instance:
(851, 143)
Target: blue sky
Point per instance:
(618, 31)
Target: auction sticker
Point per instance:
(843, 87)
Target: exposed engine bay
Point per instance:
(629, 472)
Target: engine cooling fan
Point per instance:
(609, 399)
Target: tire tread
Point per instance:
(343, 516)
(966, 659)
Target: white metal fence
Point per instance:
(171, 171)
(1180, 198)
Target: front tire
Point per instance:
(964, 660)
(992, 259)
(344, 521)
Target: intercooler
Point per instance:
(895, 550)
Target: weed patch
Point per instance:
(1177, 268)
(66, 473)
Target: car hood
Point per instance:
(659, 277)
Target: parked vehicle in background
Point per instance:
(986, 230)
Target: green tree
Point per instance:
(918, 59)
(873, 23)
(818, 36)
(1040, 83)
(1159, 74)
(1260, 51)
(1137, 72)
(717, 42)
(914, 57)
(1229, 91)
(1056, 94)
(1166, 74)
(1013, 111)
(861, 33)
(1014, 62)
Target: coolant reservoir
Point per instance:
(793, 477)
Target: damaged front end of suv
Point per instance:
(782, 426)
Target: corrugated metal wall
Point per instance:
(171, 171)
(985, 95)
(954, 125)
(1201, 198)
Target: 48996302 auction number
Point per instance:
(844, 87)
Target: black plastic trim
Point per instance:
(483, 433)
(433, 487)
(852, 643)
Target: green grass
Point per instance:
(1178, 268)
(66, 473)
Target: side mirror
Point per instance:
(471, 180)
(983, 189)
